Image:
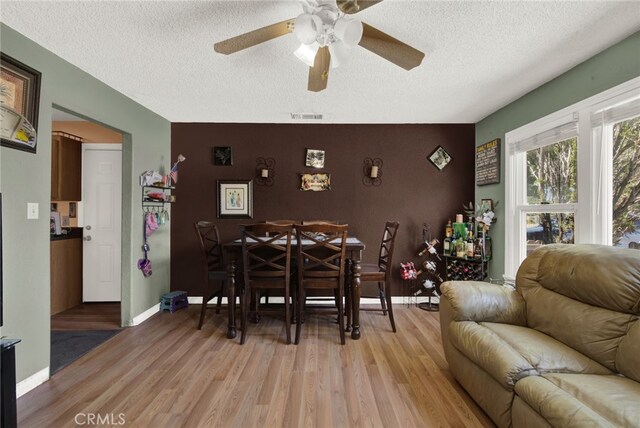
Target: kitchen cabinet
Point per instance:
(66, 274)
(66, 167)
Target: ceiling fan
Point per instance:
(327, 32)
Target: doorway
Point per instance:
(86, 231)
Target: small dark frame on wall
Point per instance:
(440, 158)
(486, 205)
(235, 199)
(314, 158)
(20, 92)
(223, 156)
(488, 163)
(73, 209)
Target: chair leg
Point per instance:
(390, 307)
(341, 315)
(287, 316)
(219, 304)
(203, 310)
(244, 304)
(381, 292)
(299, 307)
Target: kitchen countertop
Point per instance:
(72, 233)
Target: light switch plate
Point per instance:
(32, 210)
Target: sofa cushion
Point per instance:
(490, 352)
(628, 357)
(582, 400)
(543, 352)
(601, 276)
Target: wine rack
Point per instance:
(465, 269)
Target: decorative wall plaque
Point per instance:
(488, 163)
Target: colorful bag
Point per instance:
(408, 271)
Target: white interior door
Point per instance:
(102, 221)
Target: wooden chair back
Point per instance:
(210, 246)
(266, 251)
(321, 254)
(387, 244)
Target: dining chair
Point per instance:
(266, 255)
(321, 256)
(308, 222)
(381, 272)
(214, 271)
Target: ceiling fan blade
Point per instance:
(319, 73)
(390, 48)
(354, 6)
(255, 37)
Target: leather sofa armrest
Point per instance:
(483, 302)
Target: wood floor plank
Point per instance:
(167, 373)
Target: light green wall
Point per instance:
(26, 177)
(607, 69)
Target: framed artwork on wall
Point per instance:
(439, 158)
(315, 182)
(235, 199)
(19, 101)
(314, 158)
(223, 156)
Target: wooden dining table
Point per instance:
(354, 248)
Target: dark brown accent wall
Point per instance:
(413, 191)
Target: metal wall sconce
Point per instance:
(265, 171)
(372, 171)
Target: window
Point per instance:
(574, 176)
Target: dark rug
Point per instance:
(68, 346)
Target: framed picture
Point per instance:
(314, 158)
(235, 198)
(73, 208)
(222, 156)
(315, 182)
(19, 100)
(440, 158)
(486, 205)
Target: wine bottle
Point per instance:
(448, 231)
(460, 247)
(478, 246)
(446, 244)
(469, 245)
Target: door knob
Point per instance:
(87, 238)
(88, 227)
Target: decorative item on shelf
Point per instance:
(173, 173)
(439, 158)
(483, 216)
(315, 182)
(372, 172)
(222, 156)
(265, 171)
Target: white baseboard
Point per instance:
(396, 300)
(31, 382)
(146, 315)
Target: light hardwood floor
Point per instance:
(167, 373)
(88, 316)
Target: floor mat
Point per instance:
(68, 346)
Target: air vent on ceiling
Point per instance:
(306, 116)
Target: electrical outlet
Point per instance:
(32, 210)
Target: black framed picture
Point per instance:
(314, 158)
(235, 199)
(19, 101)
(439, 158)
(223, 156)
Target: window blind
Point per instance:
(545, 138)
(618, 113)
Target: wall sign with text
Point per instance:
(488, 163)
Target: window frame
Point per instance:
(593, 222)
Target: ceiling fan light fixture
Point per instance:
(307, 53)
(307, 27)
(349, 31)
(340, 54)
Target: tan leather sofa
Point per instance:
(561, 350)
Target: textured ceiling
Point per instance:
(480, 56)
